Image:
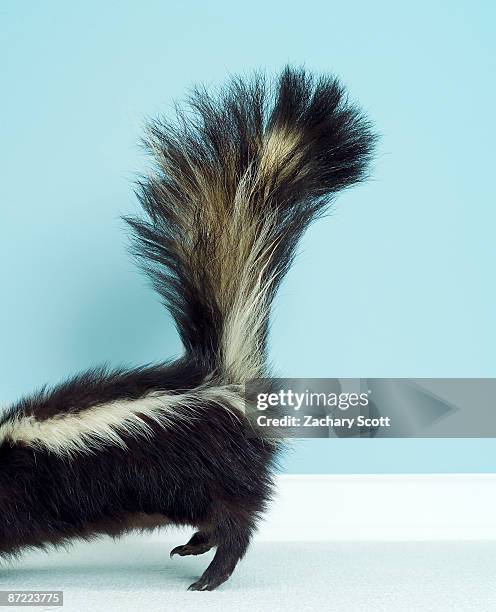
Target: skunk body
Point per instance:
(238, 179)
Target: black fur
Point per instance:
(47, 499)
(281, 154)
(220, 137)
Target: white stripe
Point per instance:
(102, 424)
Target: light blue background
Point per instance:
(398, 282)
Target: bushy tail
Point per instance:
(240, 175)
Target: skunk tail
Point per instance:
(239, 177)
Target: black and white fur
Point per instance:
(239, 176)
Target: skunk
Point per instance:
(238, 176)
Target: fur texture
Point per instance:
(239, 176)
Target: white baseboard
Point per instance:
(382, 507)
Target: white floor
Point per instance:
(376, 543)
(136, 574)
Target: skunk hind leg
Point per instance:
(232, 536)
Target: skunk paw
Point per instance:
(199, 544)
(208, 583)
(187, 549)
